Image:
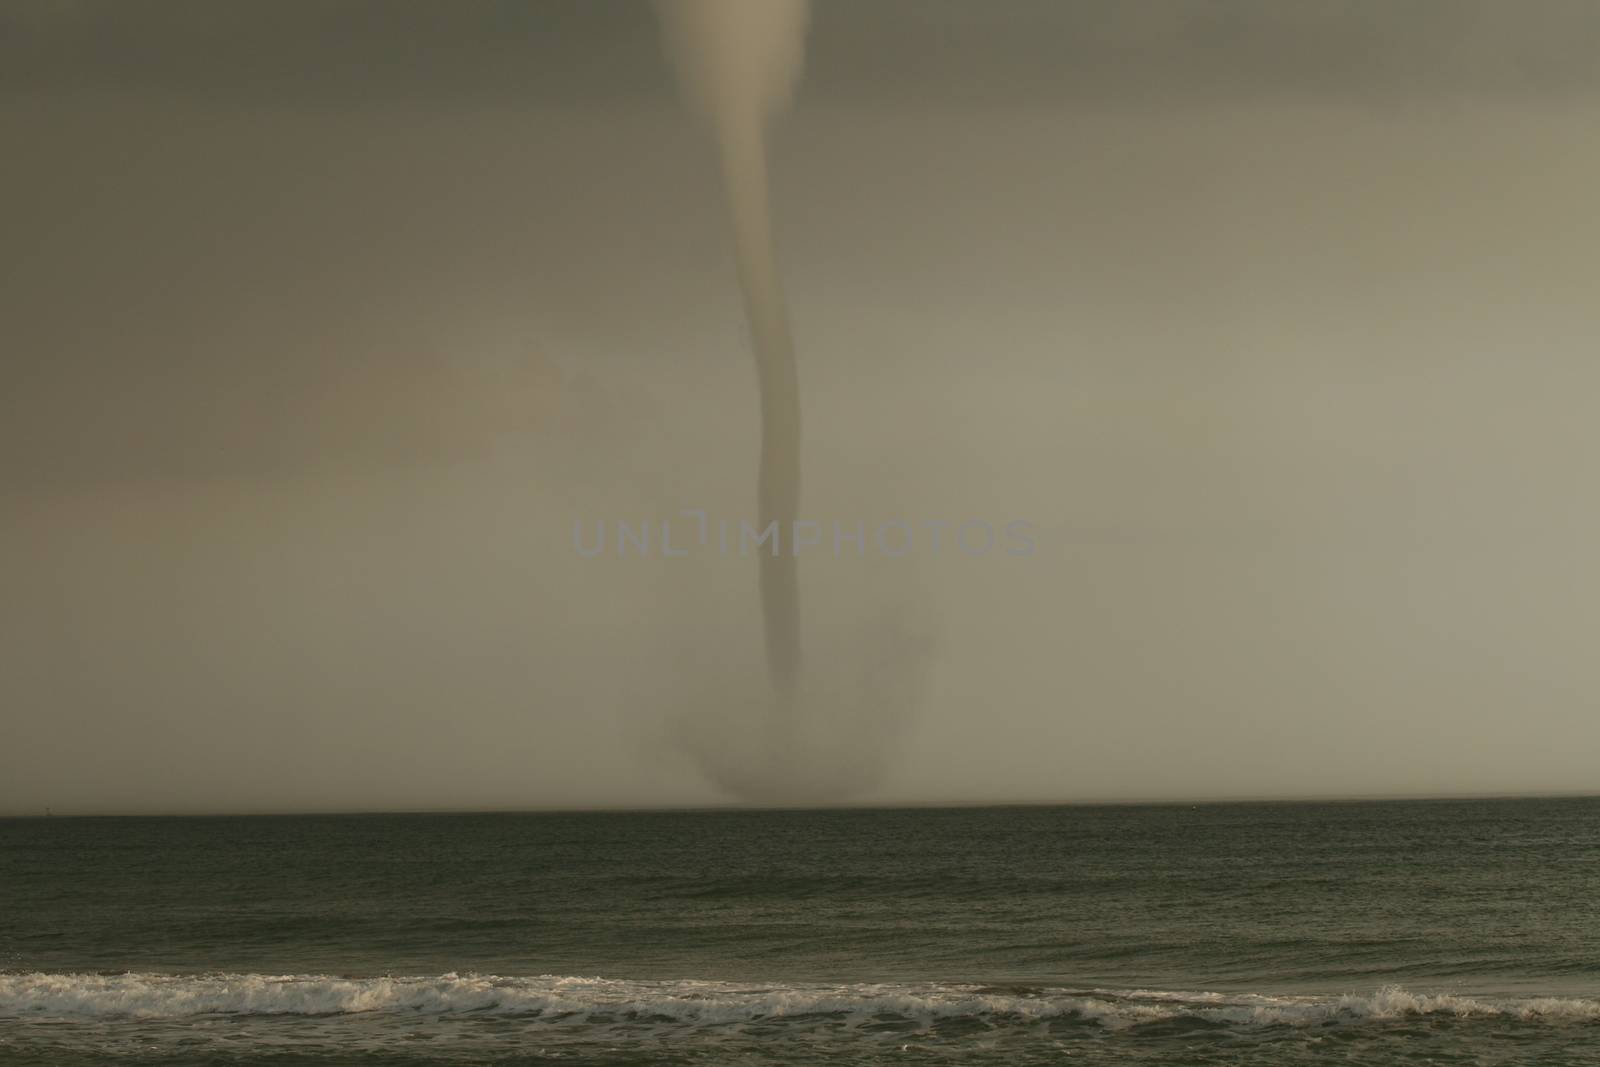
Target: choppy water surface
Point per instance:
(1447, 932)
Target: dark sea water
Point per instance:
(1376, 933)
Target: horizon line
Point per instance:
(732, 806)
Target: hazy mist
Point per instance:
(321, 324)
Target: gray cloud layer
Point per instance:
(577, 52)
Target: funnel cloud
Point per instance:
(823, 736)
(739, 62)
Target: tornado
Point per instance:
(739, 62)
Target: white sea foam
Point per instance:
(564, 1000)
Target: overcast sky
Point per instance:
(322, 322)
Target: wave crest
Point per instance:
(557, 999)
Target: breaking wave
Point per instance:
(557, 1000)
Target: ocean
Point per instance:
(1460, 932)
